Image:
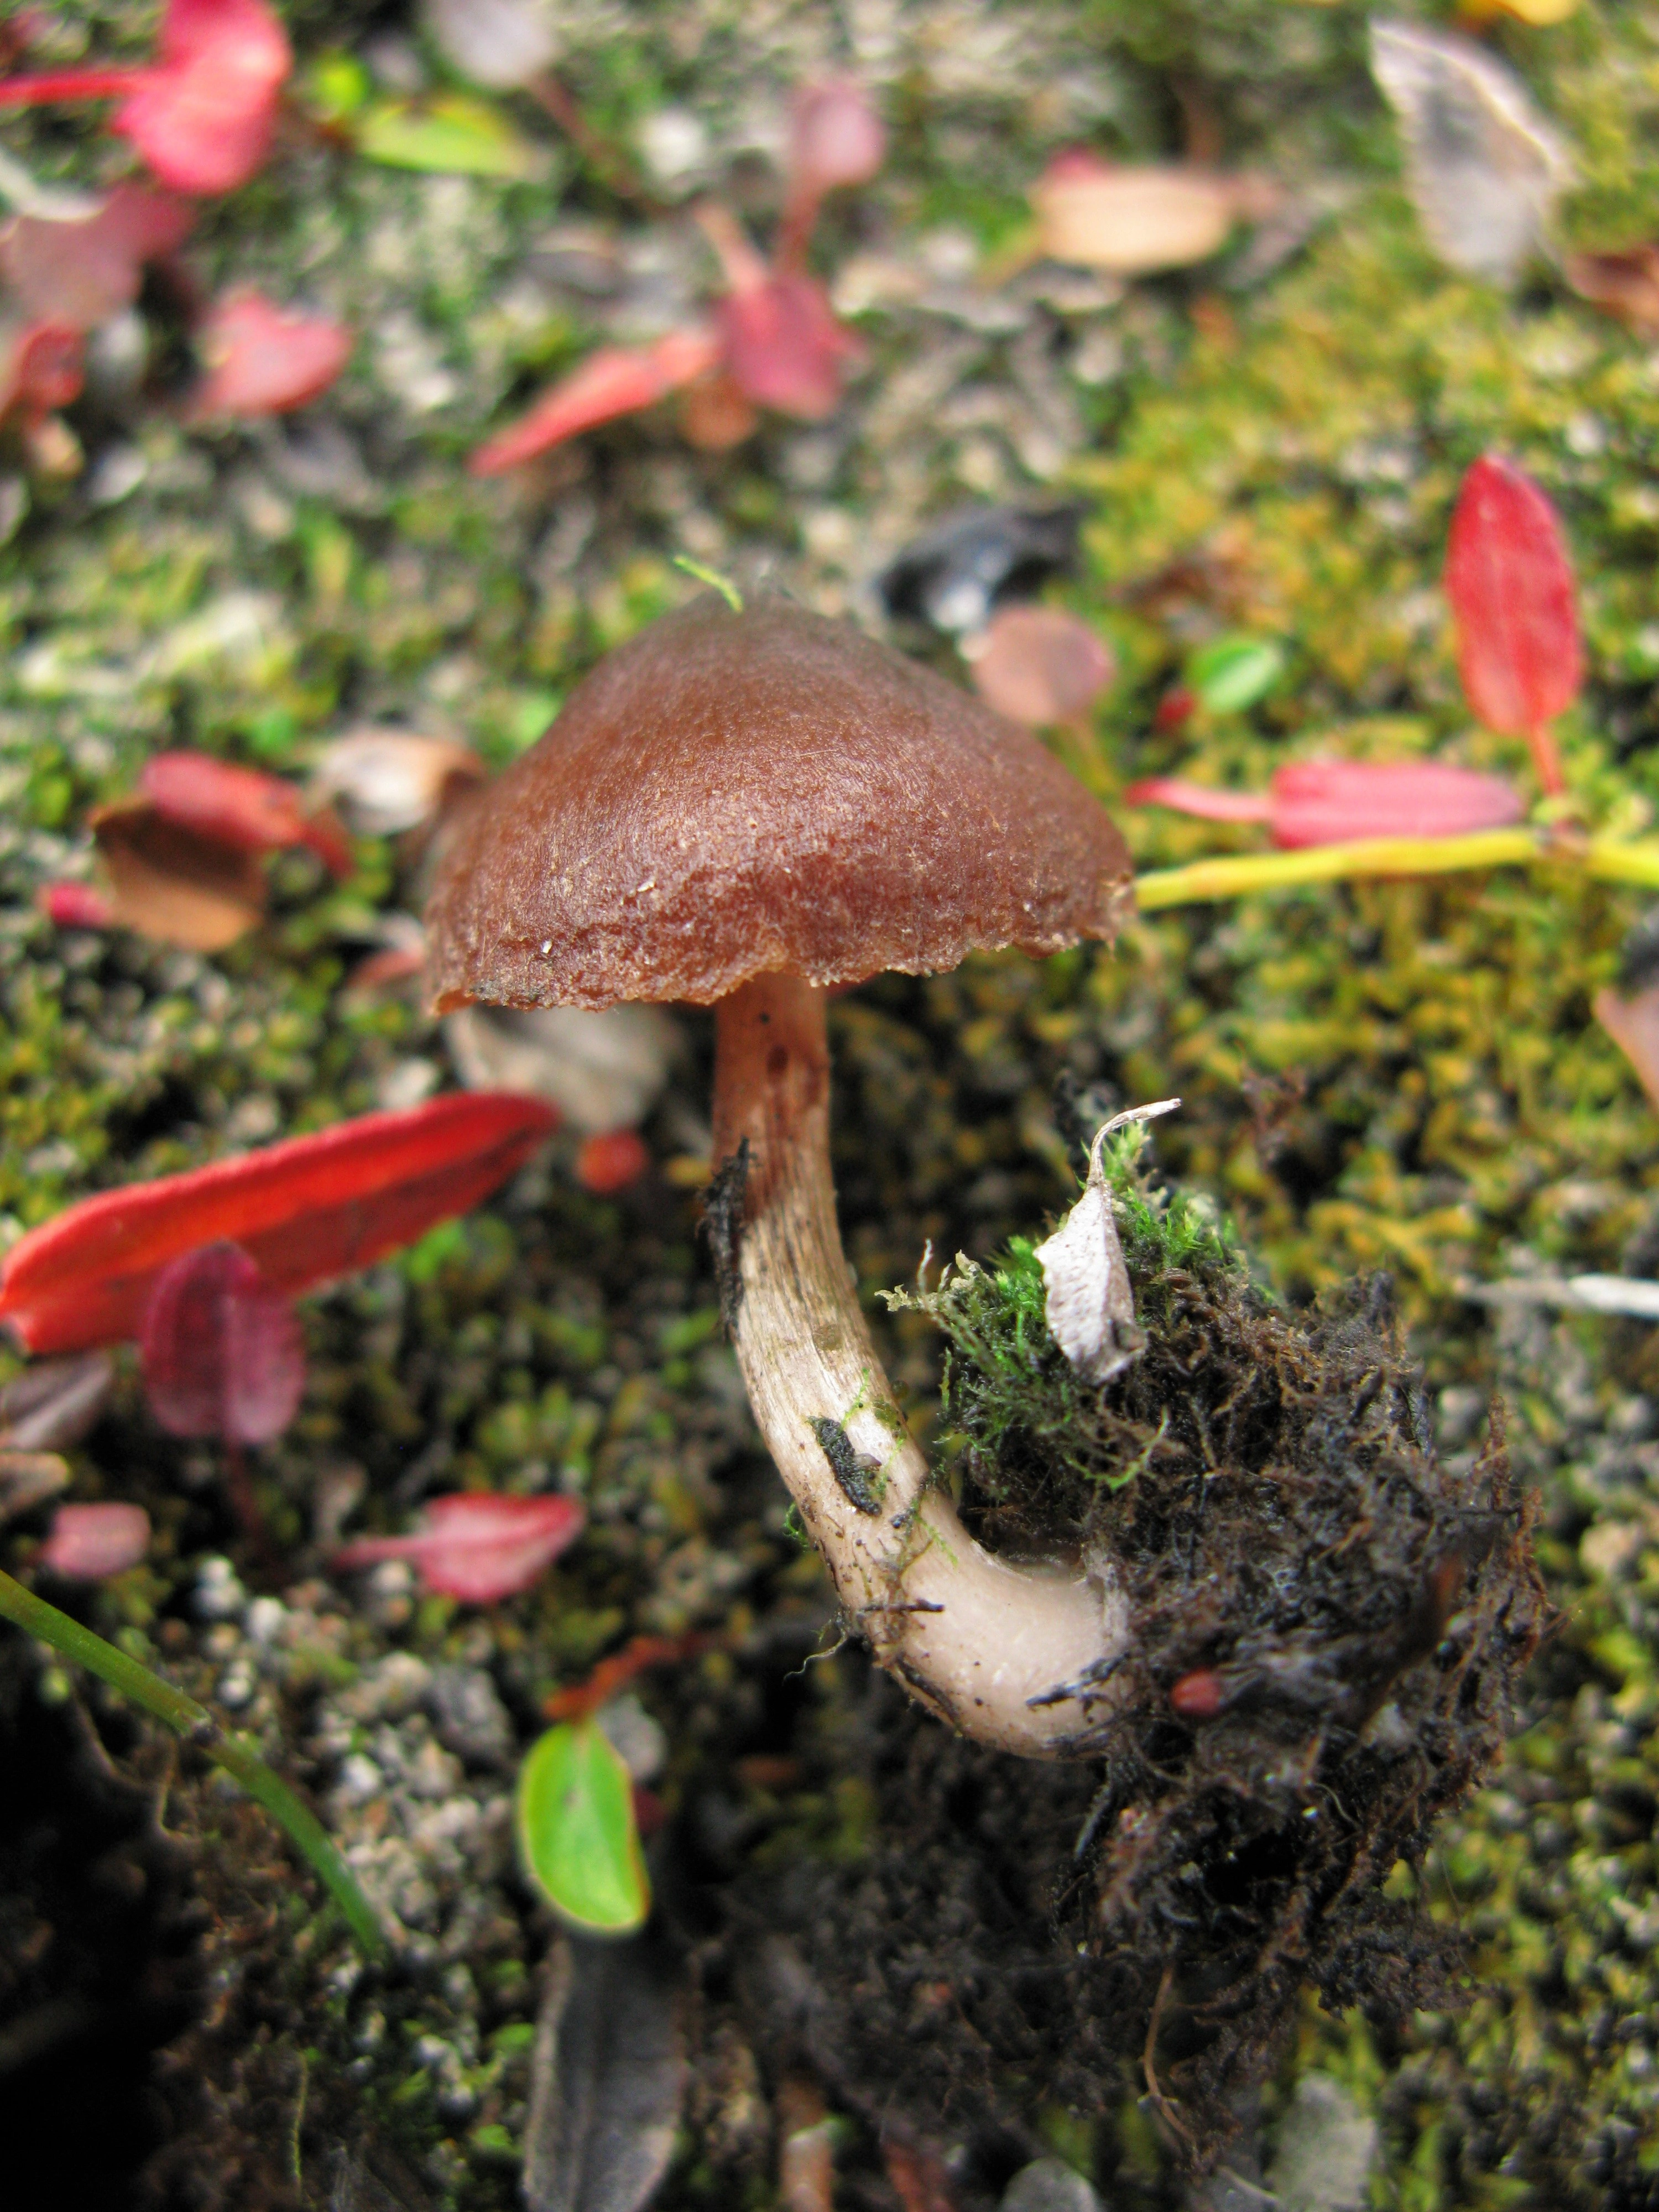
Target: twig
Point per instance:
(196, 1725)
(1148, 2056)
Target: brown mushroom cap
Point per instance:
(729, 795)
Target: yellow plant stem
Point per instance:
(1610, 859)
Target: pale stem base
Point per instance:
(974, 1638)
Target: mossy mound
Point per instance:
(1328, 1632)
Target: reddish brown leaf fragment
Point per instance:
(169, 881)
(240, 807)
(1512, 595)
(304, 1211)
(221, 1352)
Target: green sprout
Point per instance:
(577, 1832)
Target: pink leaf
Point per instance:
(242, 807)
(1331, 802)
(203, 120)
(76, 906)
(784, 347)
(615, 381)
(478, 1546)
(42, 372)
(1039, 666)
(305, 1212)
(1174, 790)
(78, 273)
(1633, 1025)
(1512, 595)
(265, 360)
(87, 1543)
(1327, 802)
(221, 1352)
(836, 138)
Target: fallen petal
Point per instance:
(305, 1211)
(615, 381)
(1327, 802)
(169, 882)
(836, 136)
(391, 781)
(221, 1352)
(1514, 601)
(1483, 168)
(1039, 666)
(262, 358)
(611, 1163)
(1105, 214)
(88, 1543)
(203, 120)
(478, 1546)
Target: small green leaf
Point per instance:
(1231, 673)
(452, 132)
(577, 1833)
(336, 87)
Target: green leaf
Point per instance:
(576, 1831)
(336, 87)
(1231, 673)
(451, 132)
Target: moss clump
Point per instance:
(1326, 1627)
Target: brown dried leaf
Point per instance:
(1625, 284)
(55, 1402)
(1130, 220)
(171, 883)
(390, 781)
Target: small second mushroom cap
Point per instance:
(729, 795)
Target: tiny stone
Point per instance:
(469, 1716)
(218, 1595)
(1049, 2184)
(1326, 2148)
(235, 1686)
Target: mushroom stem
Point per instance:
(974, 1638)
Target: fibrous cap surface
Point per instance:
(729, 795)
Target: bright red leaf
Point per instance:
(221, 1352)
(87, 1543)
(1330, 802)
(478, 1546)
(202, 114)
(611, 1161)
(1510, 585)
(262, 358)
(242, 807)
(615, 381)
(784, 347)
(75, 906)
(305, 1212)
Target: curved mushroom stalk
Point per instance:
(1014, 1657)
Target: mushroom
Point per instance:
(744, 809)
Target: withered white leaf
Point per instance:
(602, 1071)
(607, 2079)
(1090, 1305)
(1483, 168)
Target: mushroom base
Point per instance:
(1328, 1629)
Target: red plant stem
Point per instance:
(70, 84)
(1541, 738)
(244, 1502)
(795, 230)
(609, 162)
(615, 1674)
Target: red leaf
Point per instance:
(1039, 666)
(75, 906)
(836, 138)
(242, 807)
(89, 1542)
(221, 1352)
(478, 1546)
(305, 1212)
(612, 1161)
(262, 358)
(1199, 1696)
(1330, 802)
(615, 381)
(203, 120)
(1512, 595)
